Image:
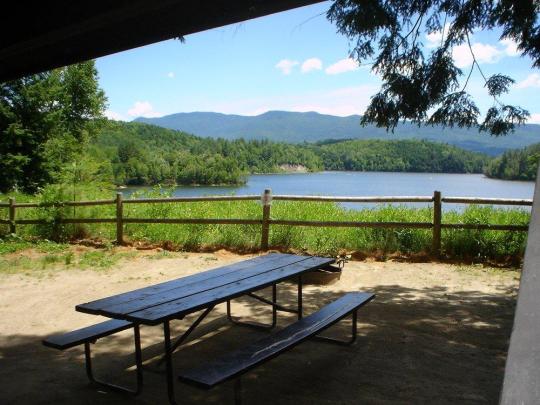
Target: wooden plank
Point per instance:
(352, 224)
(246, 358)
(487, 227)
(196, 287)
(79, 336)
(68, 221)
(192, 199)
(87, 220)
(265, 230)
(119, 222)
(31, 221)
(274, 259)
(437, 218)
(211, 221)
(12, 216)
(184, 306)
(65, 204)
(388, 199)
(491, 201)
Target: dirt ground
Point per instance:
(436, 333)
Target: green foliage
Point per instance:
(483, 245)
(462, 244)
(141, 154)
(45, 120)
(400, 156)
(465, 244)
(420, 87)
(520, 164)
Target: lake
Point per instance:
(368, 184)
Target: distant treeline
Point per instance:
(399, 156)
(517, 164)
(141, 154)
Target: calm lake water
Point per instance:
(369, 184)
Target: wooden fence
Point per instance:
(266, 220)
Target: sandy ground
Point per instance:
(436, 333)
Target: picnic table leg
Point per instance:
(339, 341)
(168, 361)
(238, 391)
(273, 303)
(186, 334)
(114, 387)
(300, 303)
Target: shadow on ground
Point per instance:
(414, 346)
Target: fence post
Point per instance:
(119, 219)
(12, 228)
(437, 216)
(266, 201)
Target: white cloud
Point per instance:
(434, 38)
(286, 65)
(534, 118)
(510, 47)
(484, 53)
(143, 109)
(112, 115)
(342, 66)
(170, 75)
(533, 80)
(311, 64)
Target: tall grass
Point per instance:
(461, 244)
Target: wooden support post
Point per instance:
(437, 217)
(119, 219)
(266, 201)
(12, 228)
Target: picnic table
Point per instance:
(175, 299)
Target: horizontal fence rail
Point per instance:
(193, 199)
(266, 221)
(488, 201)
(383, 199)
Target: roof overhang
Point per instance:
(38, 36)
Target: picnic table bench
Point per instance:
(175, 299)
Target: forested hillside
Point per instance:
(141, 154)
(400, 156)
(299, 127)
(520, 164)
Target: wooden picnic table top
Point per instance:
(176, 298)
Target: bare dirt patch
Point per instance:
(436, 333)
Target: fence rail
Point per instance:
(266, 221)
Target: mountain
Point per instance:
(298, 127)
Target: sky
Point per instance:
(292, 61)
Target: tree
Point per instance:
(45, 120)
(426, 88)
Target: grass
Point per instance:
(471, 245)
(41, 258)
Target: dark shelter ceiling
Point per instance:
(37, 36)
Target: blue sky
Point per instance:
(292, 61)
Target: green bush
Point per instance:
(465, 244)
